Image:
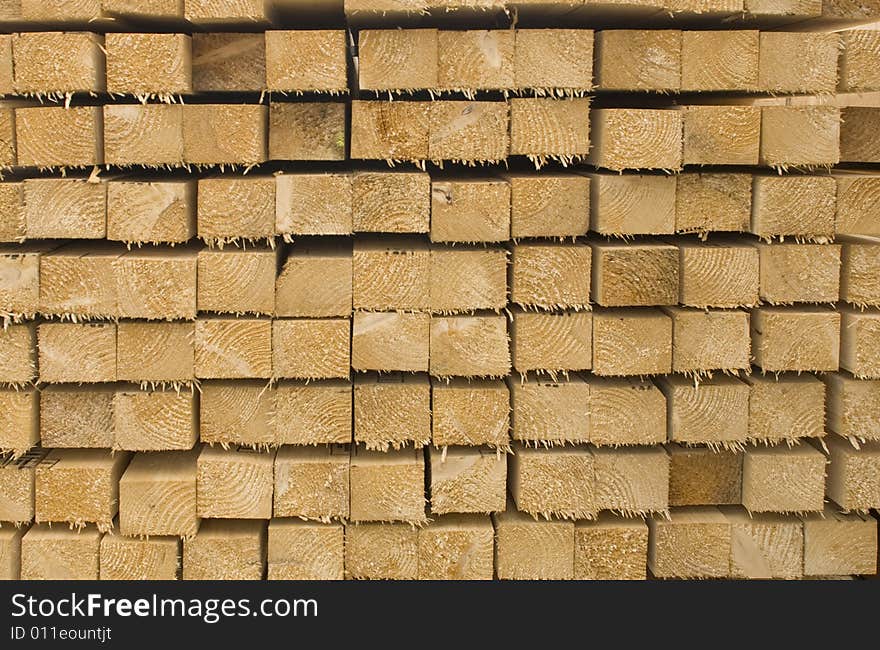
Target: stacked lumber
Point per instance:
(439, 290)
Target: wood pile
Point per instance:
(433, 289)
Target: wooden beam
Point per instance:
(631, 481)
(391, 202)
(126, 558)
(315, 281)
(234, 483)
(469, 131)
(647, 60)
(630, 204)
(155, 352)
(157, 283)
(49, 63)
(228, 348)
(526, 549)
(228, 62)
(14, 226)
(551, 342)
(313, 204)
(476, 59)
(77, 352)
(394, 131)
(839, 544)
(60, 554)
(457, 547)
(853, 473)
(473, 413)
(157, 495)
(467, 279)
(859, 341)
(550, 275)
(549, 205)
(17, 484)
(317, 412)
(226, 550)
(18, 353)
(54, 136)
(634, 274)
(464, 210)
(398, 59)
(544, 128)
(553, 60)
(233, 208)
(785, 408)
(149, 64)
(381, 551)
(783, 479)
(390, 275)
(858, 209)
(721, 135)
(307, 60)
(708, 202)
(801, 136)
(858, 71)
(703, 341)
(155, 420)
(388, 486)
(714, 61)
(553, 482)
(237, 412)
(765, 546)
(309, 131)
(151, 211)
(77, 416)
(78, 280)
(722, 274)
(798, 62)
(311, 348)
(10, 552)
(171, 10)
(79, 486)
(7, 70)
(305, 550)
(714, 412)
(610, 548)
(64, 208)
(19, 420)
(467, 480)
(469, 346)
(237, 281)
(217, 134)
(799, 272)
(702, 476)
(853, 406)
(694, 542)
(390, 341)
(150, 135)
(626, 411)
(550, 412)
(807, 338)
(311, 483)
(631, 342)
(20, 279)
(391, 411)
(226, 13)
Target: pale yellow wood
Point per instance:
(704, 340)
(147, 64)
(251, 13)
(303, 550)
(237, 281)
(308, 131)
(853, 474)
(631, 481)
(467, 480)
(713, 412)
(17, 485)
(723, 274)
(457, 547)
(389, 130)
(157, 495)
(144, 134)
(695, 542)
(792, 62)
(237, 412)
(631, 342)
(311, 348)
(65, 208)
(154, 420)
(228, 61)
(860, 342)
(626, 411)
(765, 546)
(853, 406)
(839, 544)
(315, 281)
(702, 476)
(314, 412)
(157, 283)
(390, 341)
(313, 204)
(18, 358)
(799, 272)
(639, 60)
(78, 280)
(467, 279)
(783, 479)
(388, 486)
(721, 135)
(785, 407)
(551, 342)
(306, 60)
(795, 339)
(526, 549)
(77, 416)
(234, 483)
(54, 136)
(58, 62)
(71, 352)
(391, 202)
(610, 548)
(229, 348)
(391, 275)
(311, 483)
(469, 346)
(554, 59)
(476, 59)
(634, 274)
(216, 134)
(20, 279)
(630, 204)
(858, 205)
(57, 553)
(126, 558)
(553, 482)
(79, 486)
(155, 352)
(549, 205)
(13, 228)
(381, 551)
(713, 202)
(550, 275)
(801, 136)
(542, 128)
(146, 211)
(226, 550)
(10, 552)
(719, 60)
(858, 66)
(799, 206)
(470, 131)
(238, 207)
(19, 420)
(398, 59)
(391, 411)
(465, 412)
(550, 412)
(469, 210)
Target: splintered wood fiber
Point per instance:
(439, 289)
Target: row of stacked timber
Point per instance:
(426, 289)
